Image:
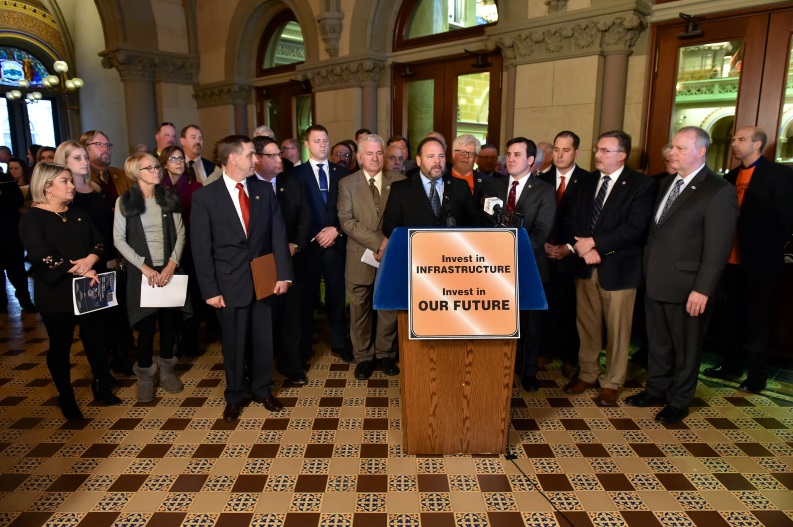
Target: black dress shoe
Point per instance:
(69, 408)
(364, 370)
(103, 392)
(529, 383)
(752, 385)
(232, 412)
(644, 399)
(722, 372)
(671, 415)
(299, 379)
(344, 354)
(270, 402)
(387, 366)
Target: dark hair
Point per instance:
(183, 133)
(261, 141)
(429, 140)
(316, 128)
(165, 123)
(89, 136)
(571, 135)
(352, 145)
(5, 149)
(396, 138)
(231, 144)
(26, 170)
(531, 148)
(344, 144)
(168, 152)
(42, 150)
(34, 149)
(362, 131)
(488, 145)
(623, 139)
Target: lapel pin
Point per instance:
(529, 185)
(624, 183)
(388, 187)
(693, 187)
(79, 219)
(257, 196)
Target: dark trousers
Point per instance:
(93, 333)
(12, 260)
(674, 341)
(747, 326)
(560, 335)
(286, 330)
(237, 325)
(168, 320)
(528, 344)
(327, 264)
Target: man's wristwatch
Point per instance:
(296, 247)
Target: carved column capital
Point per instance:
(219, 94)
(367, 72)
(130, 65)
(164, 67)
(330, 26)
(620, 34)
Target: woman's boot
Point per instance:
(168, 380)
(147, 380)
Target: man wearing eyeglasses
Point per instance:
(113, 181)
(165, 136)
(465, 148)
(290, 151)
(607, 226)
(198, 168)
(486, 160)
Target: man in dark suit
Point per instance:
(362, 197)
(465, 148)
(198, 168)
(286, 312)
(325, 252)
(429, 199)
(235, 220)
(765, 223)
(687, 248)
(607, 225)
(560, 329)
(486, 161)
(533, 199)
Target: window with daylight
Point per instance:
(281, 46)
(422, 22)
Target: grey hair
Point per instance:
(702, 140)
(466, 139)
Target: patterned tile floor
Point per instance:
(333, 456)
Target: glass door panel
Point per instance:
(784, 151)
(473, 104)
(420, 111)
(42, 127)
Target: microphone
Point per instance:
(493, 206)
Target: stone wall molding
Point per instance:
(330, 25)
(160, 66)
(221, 93)
(352, 72)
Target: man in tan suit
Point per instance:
(362, 199)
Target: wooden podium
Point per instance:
(455, 393)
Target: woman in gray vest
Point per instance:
(148, 232)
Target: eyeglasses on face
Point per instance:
(176, 159)
(604, 150)
(151, 168)
(345, 155)
(100, 145)
(277, 155)
(465, 153)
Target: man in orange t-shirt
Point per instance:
(765, 194)
(465, 148)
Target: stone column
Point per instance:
(614, 86)
(226, 93)
(369, 107)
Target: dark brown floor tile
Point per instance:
(372, 483)
(647, 450)
(369, 519)
(640, 519)
(11, 352)
(156, 450)
(234, 519)
(67, 483)
(734, 481)
(26, 423)
(250, 483)
(331, 402)
(208, 383)
(721, 423)
(75, 425)
(559, 402)
(335, 383)
(193, 402)
(707, 519)
(102, 450)
(30, 519)
(125, 424)
(9, 482)
(287, 402)
(275, 424)
(505, 519)
(11, 401)
(166, 519)
(221, 424)
(677, 426)
(547, 383)
(573, 519)
(592, 450)
(675, 482)
(311, 483)
(437, 519)
(38, 383)
(324, 450)
(493, 483)
(301, 519)
(433, 483)
(773, 518)
(339, 367)
(150, 404)
(377, 402)
(375, 424)
(99, 519)
(698, 402)
(739, 401)
(3, 446)
(525, 424)
(175, 424)
(538, 450)
(785, 478)
(128, 483)
(518, 402)
(369, 450)
(574, 424)
(266, 450)
(44, 450)
(189, 483)
(614, 482)
(377, 383)
(325, 423)
(554, 482)
(624, 424)
(770, 423)
(754, 449)
(632, 383)
(700, 450)
(25, 366)
(209, 450)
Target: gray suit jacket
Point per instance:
(361, 222)
(689, 249)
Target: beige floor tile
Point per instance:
(403, 502)
(210, 502)
(81, 501)
(339, 502)
(592, 501)
(659, 500)
(146, 501)
(467, 502)
(275, 502)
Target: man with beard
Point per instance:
(198, 168)
(112, 180)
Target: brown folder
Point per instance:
(265, 275)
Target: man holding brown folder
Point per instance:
(235, 220)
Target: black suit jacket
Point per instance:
(322, 214)
(484, 187)
(537, 204)
(689, 249)
(765, 223)
(558, 233)
(621, 229)
(223, 253)
(409, 206)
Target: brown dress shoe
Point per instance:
(232, 412)
(542, 362)
(607, 397)
(270, 402)
(576, 387)
(569, 370)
